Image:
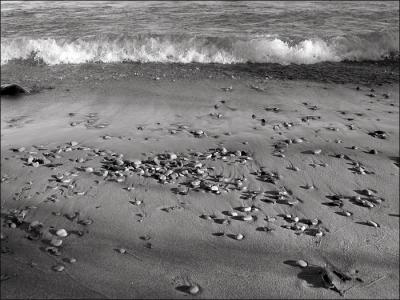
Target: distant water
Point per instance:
(304, 32)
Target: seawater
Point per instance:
(304, 32)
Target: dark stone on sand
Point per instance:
(13, 89)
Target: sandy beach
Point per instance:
(188, 181)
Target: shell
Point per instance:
(194, 289)
(72, 260)
(372, 223)
(61, 233)
(317, 151)
(56, 242)
(246, 208)
(301, 263)
(239, 236)
(58, 268)
(247, 218)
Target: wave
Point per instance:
(184, 49)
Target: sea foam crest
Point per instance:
(170, 49)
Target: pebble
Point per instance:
(58, 268)
(88, 170)
(247, 218)
(71, 260)
(22, 149)
(122, 250)
(317, 151)
(246, 208)
(373, 151)
(297, 141)
(372, 223)
(194, 289)
(302, 263)
(239, 236)
(319, 234)
(233, 213)
(61, 233)
(56, 242)
(73, 143)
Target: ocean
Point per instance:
(293, 32)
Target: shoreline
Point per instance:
(367, 73)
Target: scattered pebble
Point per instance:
(194, 290)
(61, 233)
(58, 268)
(302, 263)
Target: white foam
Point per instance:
(201, 50)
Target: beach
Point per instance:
(200, 181)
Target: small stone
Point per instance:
(35, 164)
(88, 170)
(372, 223)
(58, 268)
(122, 250)
(194, 290)
(347, 213)
(297, 141)
(246, 208)
(317, 151)
(71, 260)
(61, 233)
(22, 149)
(373, 151)
(319, 234)
(195, 183)
(296, 219)
(172, 156)
(233, 213)
(73, 143)
(247, 218)
(302, 263)
(239, 236)
(56, 242)
(214, 188)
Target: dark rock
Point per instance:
(13, 89)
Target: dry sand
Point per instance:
(169, 244)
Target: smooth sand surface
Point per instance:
(169, 246)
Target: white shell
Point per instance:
(56, 242)
(372, 223)
(247, 218)
(194, 289)
(302, 263)
(317, 151)
(239, 236)
(58, 268)
(61, 233)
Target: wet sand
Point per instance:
(197, 144)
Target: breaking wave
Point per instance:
(184, 49)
